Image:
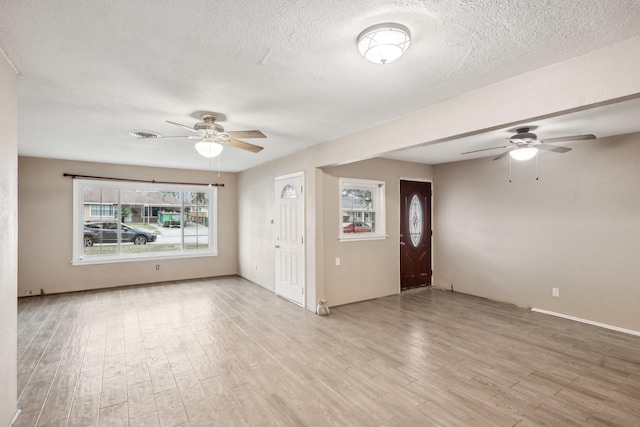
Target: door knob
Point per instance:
(402, 243)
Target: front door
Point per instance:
(289, 230)
(415, 234)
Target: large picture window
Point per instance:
(362, 214)
(122, 221)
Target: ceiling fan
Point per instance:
(525, 144)
(211, 137)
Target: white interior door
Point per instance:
(289, 226)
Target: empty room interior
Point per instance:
(302, 213)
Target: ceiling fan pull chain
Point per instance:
(509, 168)
(537, 175)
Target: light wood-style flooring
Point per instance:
(227, 352)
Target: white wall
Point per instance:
(576, 229)
(9, 238)
(45, 205)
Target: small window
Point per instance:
(362, 204)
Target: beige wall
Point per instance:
(45, 229)
(256, 234)
(368, 269)
(576, 229)
(340, 285)
(8, 237)
(597, 77)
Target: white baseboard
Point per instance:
(589, 322)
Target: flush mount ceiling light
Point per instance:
(208, 148)
(384, 43)
(523, 153)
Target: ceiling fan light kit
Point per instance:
(384, 43)
(208, 148)
(523, 153)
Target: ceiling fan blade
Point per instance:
(555, 149)
(181, 125)
(177, 136)
(503, 155)
(485, 149)
(243, 145)
(568, 138)
(246, 134)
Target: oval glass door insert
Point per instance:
(416, 228)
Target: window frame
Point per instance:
(378, 191)
(79, 185)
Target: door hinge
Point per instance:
(302, 240)
(301, 189)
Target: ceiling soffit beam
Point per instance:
(603, 76)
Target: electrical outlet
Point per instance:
(337, 262)
(555, 292)
(157, 266)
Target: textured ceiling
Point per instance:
(90, 71)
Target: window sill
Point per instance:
(115, 260)
(359, 238)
